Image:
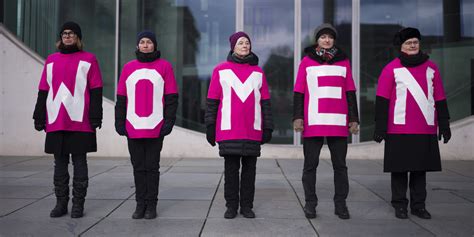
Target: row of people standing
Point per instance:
(239, 118)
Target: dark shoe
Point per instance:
(150, 211)
(401, 213)
(309, 211)
(79, 192)
(60, 209)
(342, 212)
(421, 213)
(247, 212)
(139, 211)
(230, 213)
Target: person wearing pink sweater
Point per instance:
(410, 109)
(325, 107)
(145, 112)
(69, 110)
(238, 117)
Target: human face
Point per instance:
(145, 45)
(326, 41)
(411, 46)
(68, 37)
(242, 47)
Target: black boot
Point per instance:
(139, 210)
(247, 212)
(61, 190)
(421, 213)
(150, 211)
(309, 211)
(79, 193)
(401, 212)
(342, 212)
(230, 213)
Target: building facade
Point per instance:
(193, 36)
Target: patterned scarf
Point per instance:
(326, 54)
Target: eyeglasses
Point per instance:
(408, 43)
(68, 33)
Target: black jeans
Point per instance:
(145, 158)
(338, 148)
(79, 162)
(247, 181)
(417, 185)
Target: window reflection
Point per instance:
(192, 35)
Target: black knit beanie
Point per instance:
(71, 26)
(147, 34)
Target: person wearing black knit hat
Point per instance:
(70, 120)
(319, 118)
(148, 79)
(409, 124)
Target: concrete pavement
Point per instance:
(191, 201)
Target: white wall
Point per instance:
(20, 70)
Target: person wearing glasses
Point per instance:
(69, 110)
(239, 118)
(145, 112)
(325, 107)
(410, 109)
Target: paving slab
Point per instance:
(155, 227)
(257, 227)
(172, 209)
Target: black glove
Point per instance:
(211, 134)
(379, 136)
(445, 133)
(166, 128)
(443, 120)
(266, 136)
(95, 124)
(120, 129)
(40, 125)
(381, 118)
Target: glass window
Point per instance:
(270, 25)
(192, 35)
(446, 28)
(37, 23)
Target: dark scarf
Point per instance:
(413, 60)
(68, 49)
(251, 59)
(321, 55)
(147, 57)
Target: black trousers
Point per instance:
(246, 184)
(417, 185)
(79, 162)
(338, 148)
(145, 158)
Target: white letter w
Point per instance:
(74, 104)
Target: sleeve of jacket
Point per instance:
(95, 107)
(267, 117)
(352, 106)
(169, 113)
(381, 114)
(212, 105)
(39, 115)
(298, 105)
(443, 114)
(120, 114)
